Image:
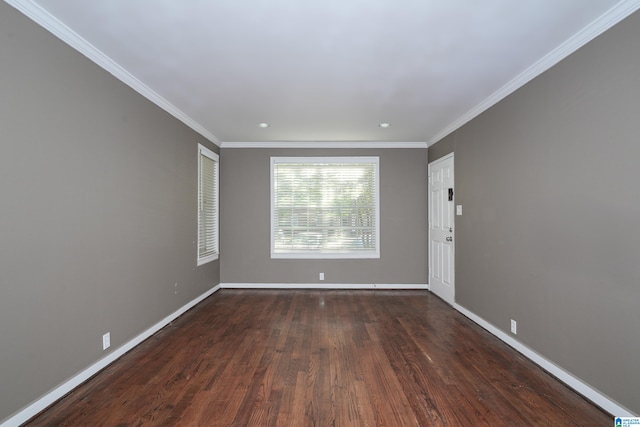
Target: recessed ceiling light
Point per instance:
(384, 125)
(263, 125)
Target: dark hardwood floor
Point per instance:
(322, 358)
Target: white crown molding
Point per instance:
(566, 377)
(65, 388)
(39, 15)
(614, 15)
(324, 144)
(610, 18)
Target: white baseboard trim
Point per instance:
(344, 286)
(566, 377)
(48, 399)
(575, 383)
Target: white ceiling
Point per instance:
(326, 70)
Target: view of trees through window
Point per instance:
(324, 207)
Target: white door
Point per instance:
(441, 228)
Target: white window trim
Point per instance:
(202, 150)
(327, 255)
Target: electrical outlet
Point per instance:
(321, 276)
(106, 341)
(175, 289)
(514, 327)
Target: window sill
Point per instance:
(207, 259)
(325, 255)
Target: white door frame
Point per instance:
(444, 288)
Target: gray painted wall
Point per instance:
(550, 234)
(98, 217)
(245, 232)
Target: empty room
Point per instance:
(244, 213)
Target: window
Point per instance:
(325, 207)
(207, 205)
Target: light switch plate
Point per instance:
(458, 209)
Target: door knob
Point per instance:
(449, 239)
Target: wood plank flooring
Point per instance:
(322, 358)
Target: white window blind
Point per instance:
(325, 207)
(207, 205)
